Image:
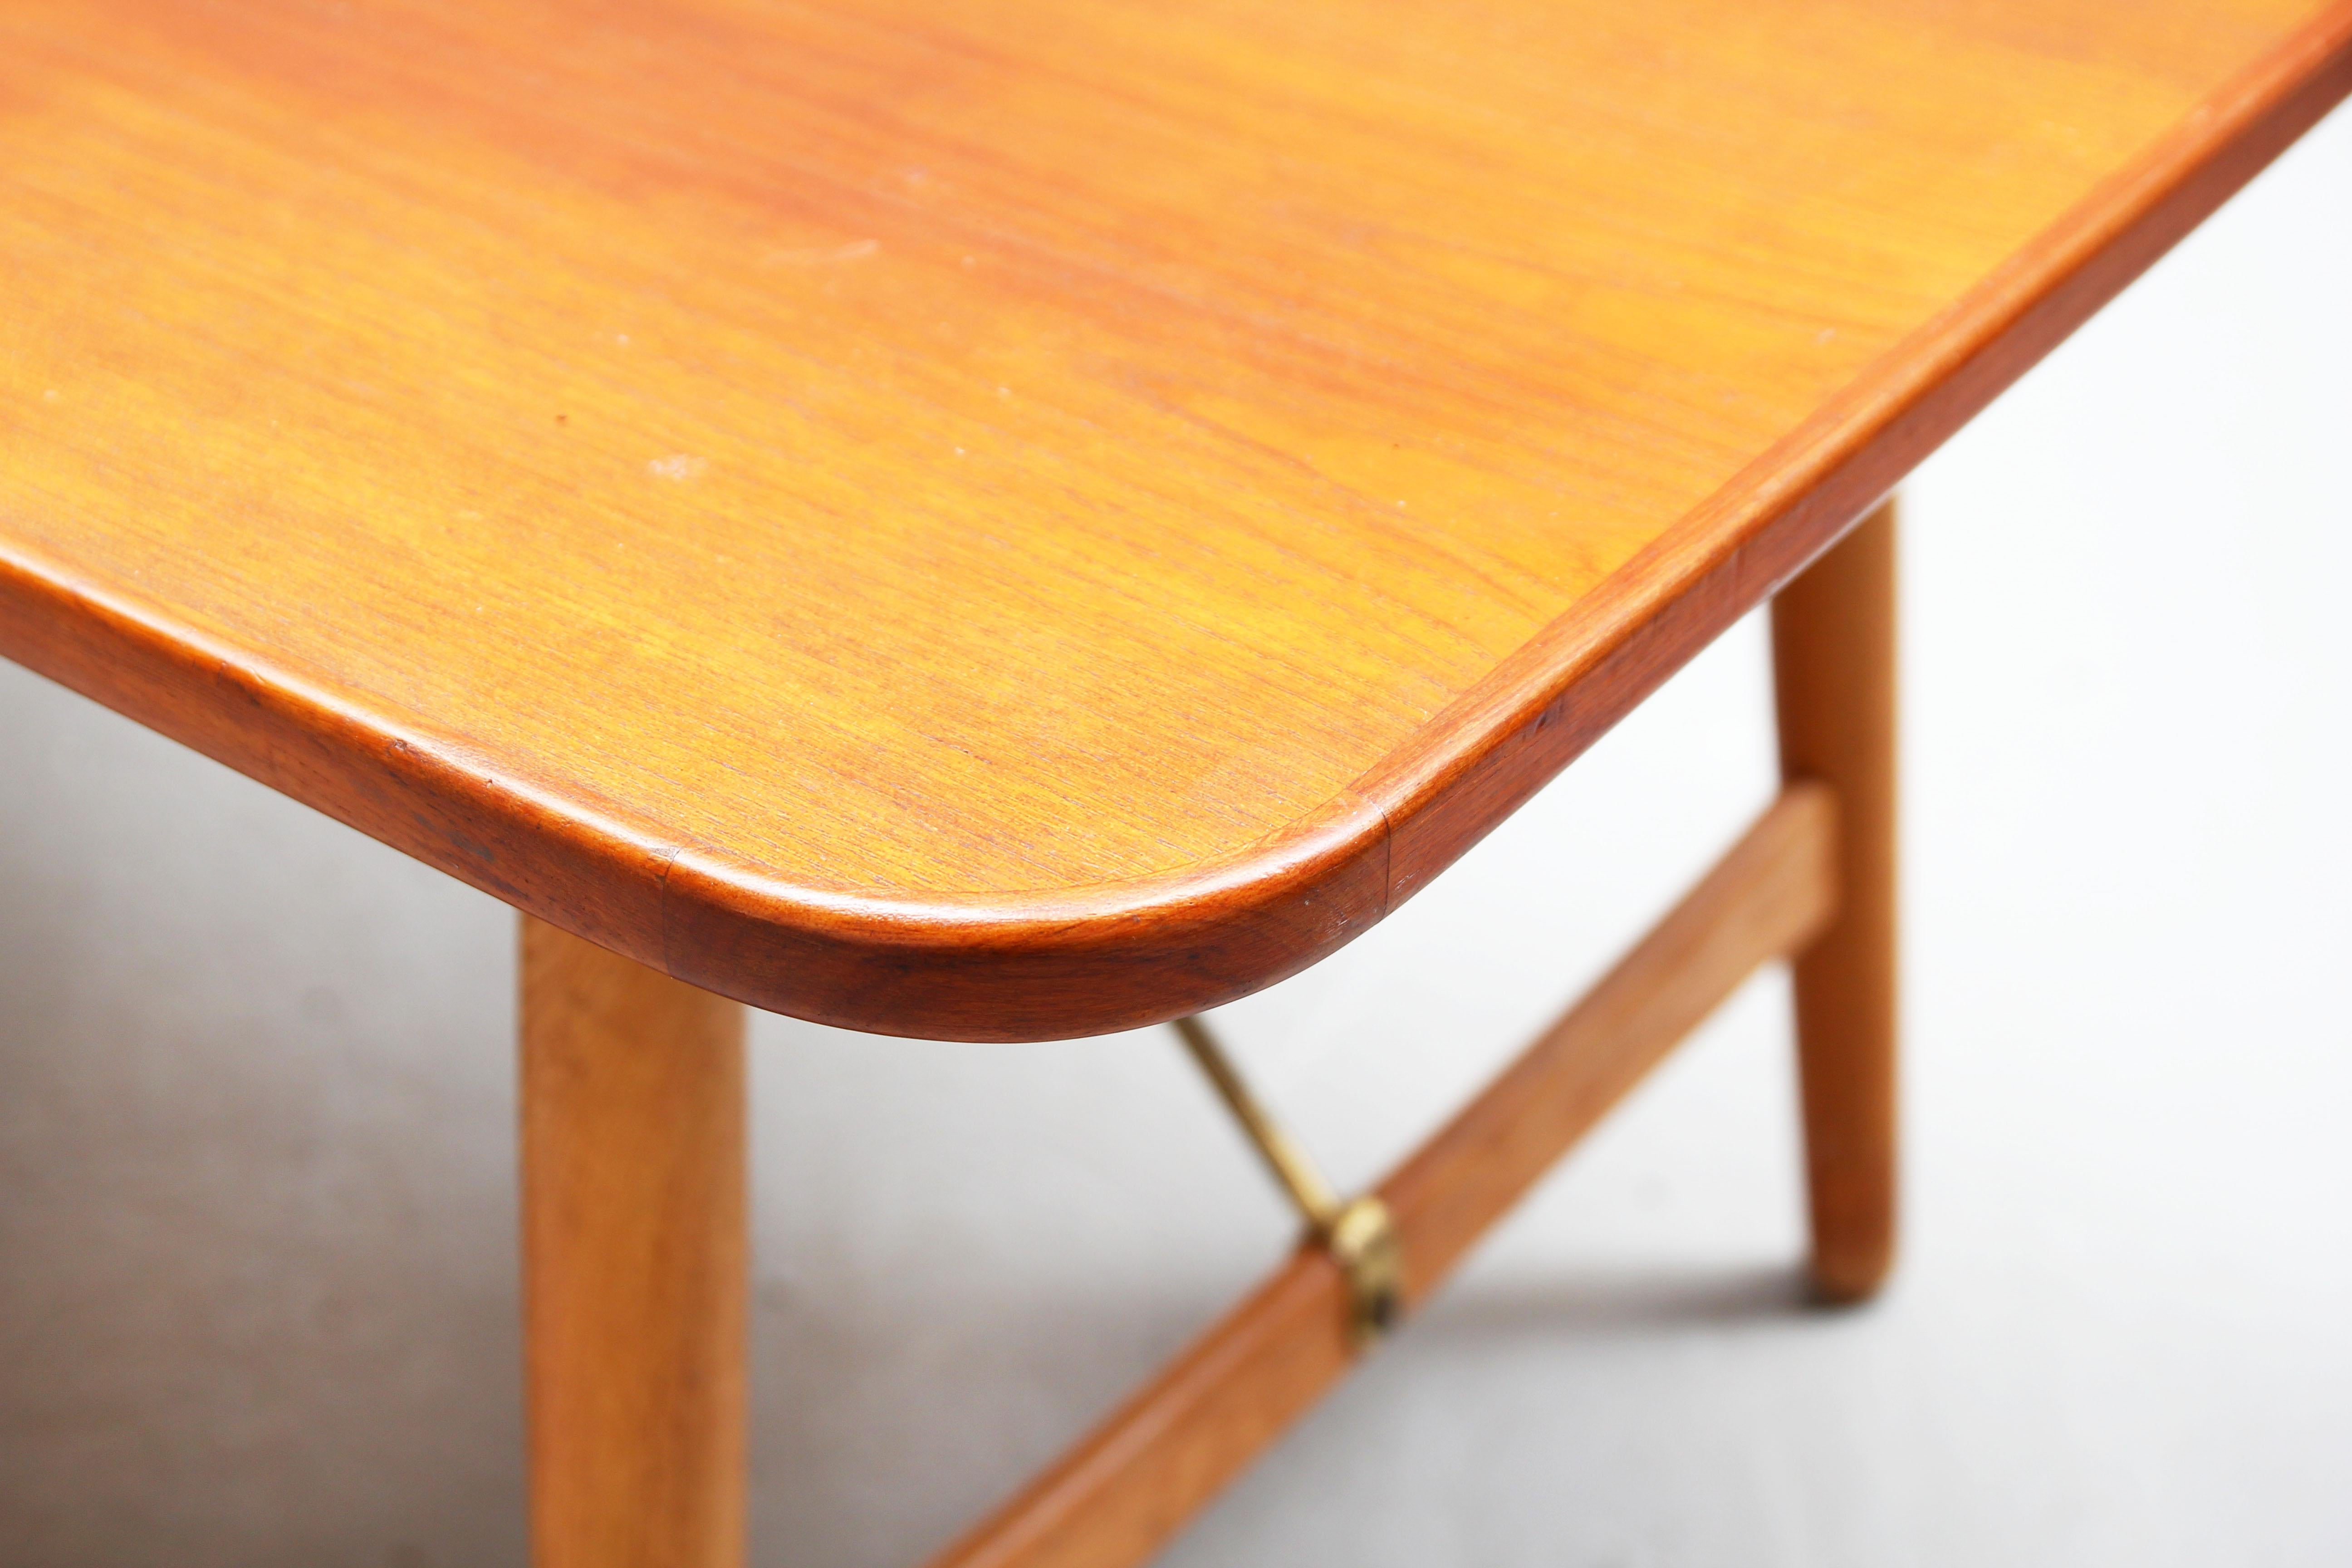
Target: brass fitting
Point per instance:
(1358, 1233)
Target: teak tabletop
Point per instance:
(1025, 517)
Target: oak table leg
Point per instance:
(635, 1261)
(1834, 672)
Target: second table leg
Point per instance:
(636, 1261)
(1834, 672)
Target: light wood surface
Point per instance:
(1025, 517)
(636, 1259)
(1127, 1488)
(1833, 666)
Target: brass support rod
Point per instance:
(1316, 1201)
(1356, 1232)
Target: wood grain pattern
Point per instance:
(1028, 517)
(1834, 676)
(1127, 1488)
(636, 1261)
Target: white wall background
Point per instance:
(256, 1280)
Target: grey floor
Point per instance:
(255, 1105)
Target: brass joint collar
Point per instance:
(1363, 1239)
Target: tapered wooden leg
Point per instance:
(635, 1261)
(1834, 668)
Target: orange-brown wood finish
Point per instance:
(635, 1261)
(1834, 667)
(1127, 1488)
(1021, 517)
